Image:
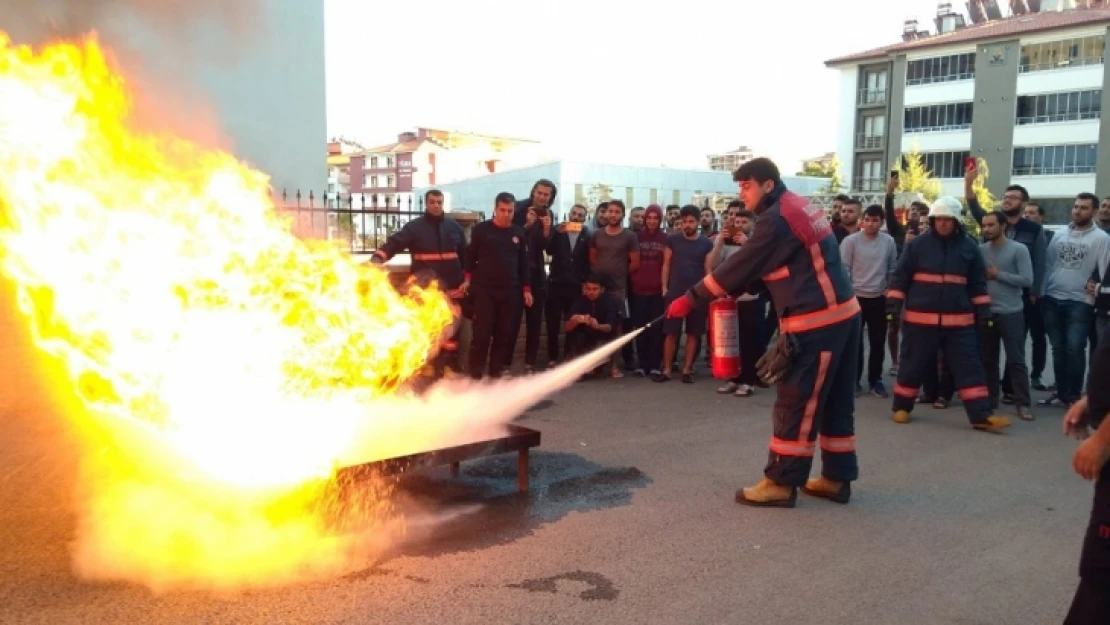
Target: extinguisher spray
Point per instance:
(724, 332)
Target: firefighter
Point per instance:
(793, 252)
(940, 291)
(438, 247)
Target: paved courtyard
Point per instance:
(631, 519)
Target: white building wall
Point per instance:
(1059, 133)
(939, 93)
(1063, 79)
(846, 123)
(942, 141)
(1056, 186)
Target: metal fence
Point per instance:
(352, 222)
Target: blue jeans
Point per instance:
(1069, 325)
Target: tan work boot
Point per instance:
(768, 494)
(994, 424)
(901, 416)
(823, 487)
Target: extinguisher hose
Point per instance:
(655, 321)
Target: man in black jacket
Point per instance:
(497, 276)
(540, 201)
(1091, 604)
(438, 249)
(569, 248)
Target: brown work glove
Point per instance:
(775, 364)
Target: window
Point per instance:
(389, 182)
(1055, 160)
(871, 175)
(1037, 57)
(389, 162)
(1059, 107)
(373, 162)
(945, 164)
(941, 69)
(937, 117)
(874, 90)
(874, 131)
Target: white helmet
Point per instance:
(946, 206)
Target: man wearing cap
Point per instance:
(940, 291)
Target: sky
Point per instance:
(614, 81)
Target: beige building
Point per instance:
(729, 161)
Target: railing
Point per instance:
(944, 128)
(870, 185)
(1041, 170)
(869, 142)
(1025, 68)
(353, 222)
(930, 80)
(1071, 116)
(869, 97)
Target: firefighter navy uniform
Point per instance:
(794, 254)
(437, 246)
(940, 288)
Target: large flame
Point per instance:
(224, 365)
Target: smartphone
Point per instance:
(969, 163)
(894, 174)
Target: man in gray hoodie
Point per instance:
(1074, 254)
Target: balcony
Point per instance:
(871, 97)
(871, 185)
(1069, 116)
(869, 142)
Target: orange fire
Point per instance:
(224, 366)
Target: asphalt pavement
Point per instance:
(630, 519)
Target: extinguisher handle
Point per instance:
(655, 321)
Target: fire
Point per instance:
(224, 366)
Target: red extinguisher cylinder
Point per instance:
(724, 334)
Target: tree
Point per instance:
(915, 177)
(836, 183)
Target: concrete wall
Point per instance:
(995, 101)
(1102, 174)
(895, 111)
(248, 76)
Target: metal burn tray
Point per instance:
(518, 439)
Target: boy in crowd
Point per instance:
(685, 263)
(592, 320)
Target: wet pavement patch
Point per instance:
(481, 508)
(599, 586)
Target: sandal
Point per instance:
(661, 377)
(687, 378)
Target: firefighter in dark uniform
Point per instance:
(793, 253)
(1091, 605)
(940, 291)
(438, 248)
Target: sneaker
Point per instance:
(878, 390)
(655, 372)
(729, 388)
(638, 373)
(1052, 400)
(745, 390)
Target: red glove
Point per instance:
(680, 307)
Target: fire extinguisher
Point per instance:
(724, 334)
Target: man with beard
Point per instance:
(850, 212)
(708, 223)
(685, 262)
(636, 219)
(614, 252)
(794, 253)
(537, 234)
(749, 308)
(570, 264)
(870, 256)
(1021, 230)
(1035, 213)
(437, 246)
(941, 282)
(1009, 270)
(1075, 254)
(673, 211)
(1104, 215)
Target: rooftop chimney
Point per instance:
(976, 12)
(1018, 7)
(947, 19)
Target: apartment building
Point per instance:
(730, 161)
(1025, 93)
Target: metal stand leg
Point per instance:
(522, 471)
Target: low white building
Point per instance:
(592, 183)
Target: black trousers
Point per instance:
(496, 321)
(582, 340)
(560, 299)
(772, 320)
(751, 317)
(532, 317)
(1091, 604)
(817, 397)
(649, 345)
(874, 317)
(961, 350)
